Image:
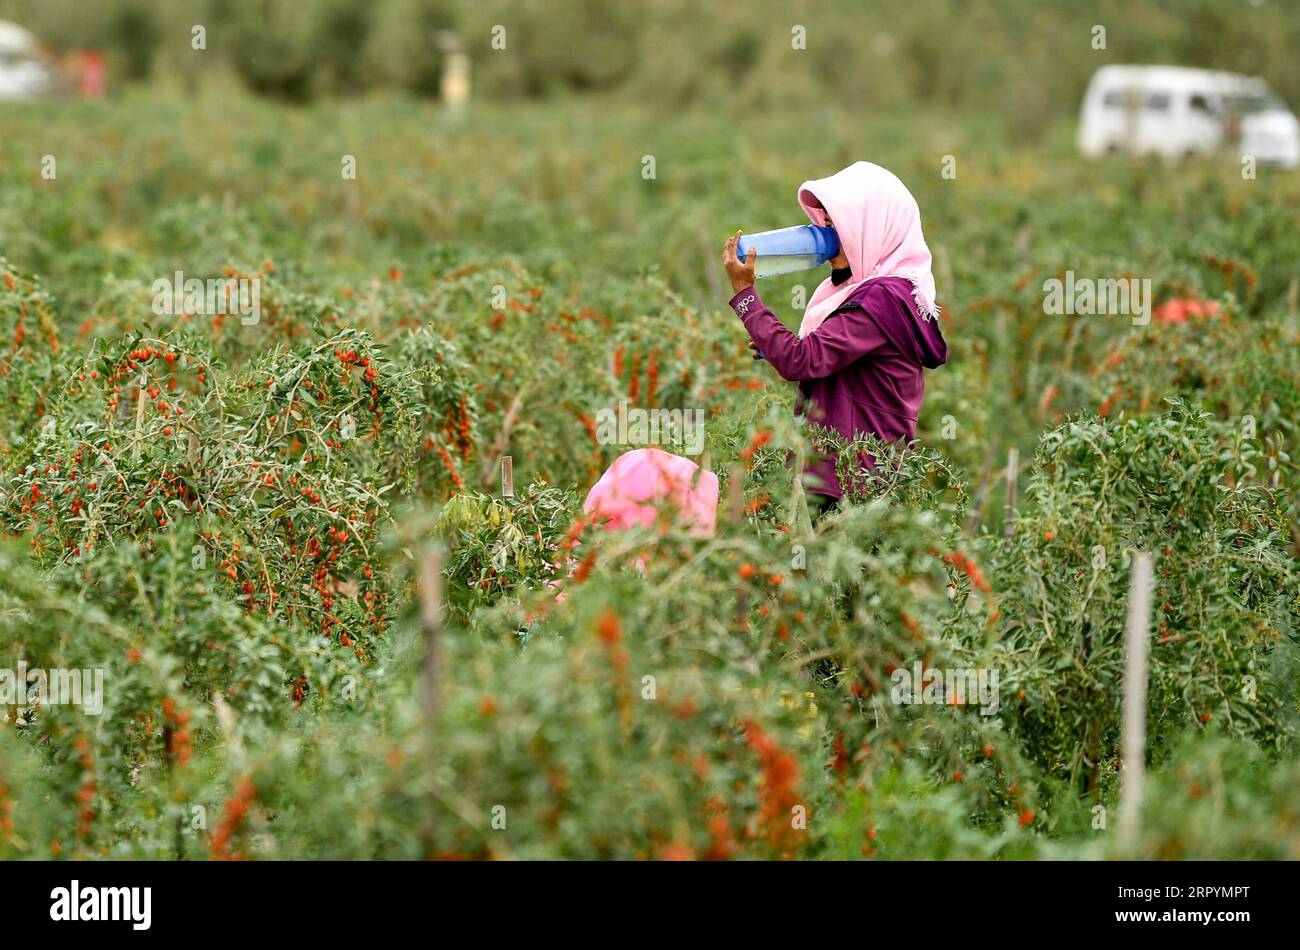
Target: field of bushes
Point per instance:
(236, 521)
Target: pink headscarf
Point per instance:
(631, 489)
(879, 225)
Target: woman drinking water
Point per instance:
(871, 327)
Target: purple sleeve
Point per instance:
(842, 339)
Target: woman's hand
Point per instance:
(740, 273)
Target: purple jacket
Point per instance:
(859, 372)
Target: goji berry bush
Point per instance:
(325, 632)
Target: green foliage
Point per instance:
(1224, 592)
(246, 572)
(499, 547)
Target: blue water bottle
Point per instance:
(789, 249)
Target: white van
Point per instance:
(1173, 111)
(23, 73)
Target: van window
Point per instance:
(1118, 98)
(1158, 101)
(1254, 102)
(1200, 104)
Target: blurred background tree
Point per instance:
(672, 54)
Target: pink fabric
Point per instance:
(639, 482)
(879, 225)
(1179, 309)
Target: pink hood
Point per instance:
(879, 226)
(633, 489)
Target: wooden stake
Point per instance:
(1135, 700)
(977, 501)
(503, 437)
(944, 264)
(507, 477)
(431, 621)
(139, 417)
(736, 493)
(431, 617)
(736, 512)
(1009, 513)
